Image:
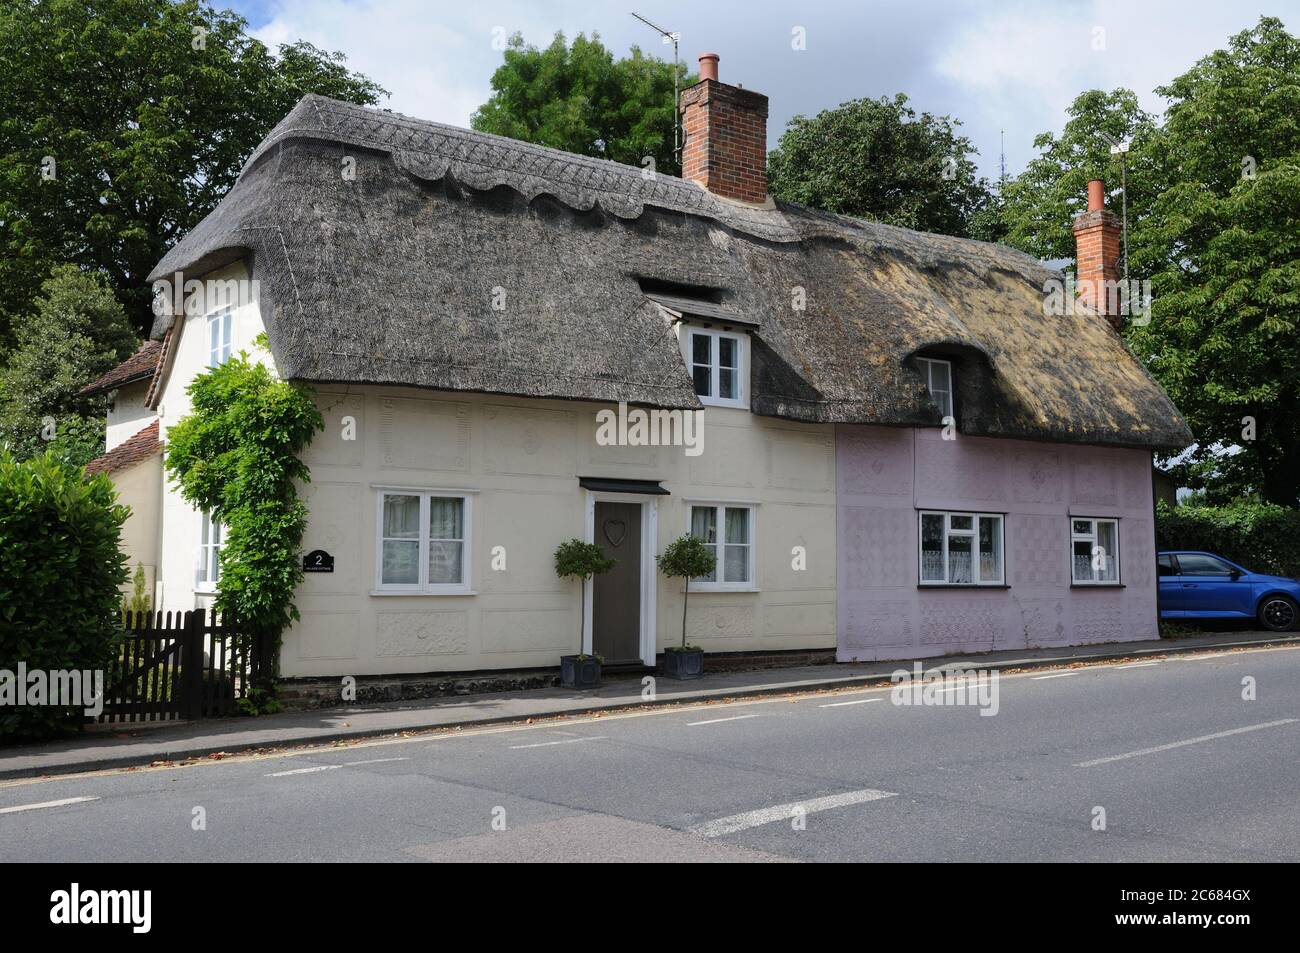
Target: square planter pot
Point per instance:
(579, 672)
(683, 665)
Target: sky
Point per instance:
(1008, 69)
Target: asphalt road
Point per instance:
(1184, 768)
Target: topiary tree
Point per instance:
(687, 557)
(238, 456)
(60, 578)
(584, 560)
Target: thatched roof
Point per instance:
(391, 277)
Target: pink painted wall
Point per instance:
(886, 474)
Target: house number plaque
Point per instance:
(318, 561)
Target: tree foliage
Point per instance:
(575, 558)
(238, 456)
(580, 99)
(60, 573)
(124, 123)
(76, 331)
(1263, 537)
(875, 158)
(1214, 226)
(686, 557)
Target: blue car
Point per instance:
(1196, 585)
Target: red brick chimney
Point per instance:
(725, 149)
(1097, 255)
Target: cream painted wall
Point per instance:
(524, 458)
(140, 487)
(179, 542)
(127, 414)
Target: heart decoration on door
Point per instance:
(615, 531)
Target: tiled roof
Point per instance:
(131, 451)
(139, 366)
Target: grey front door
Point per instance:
(616, 595)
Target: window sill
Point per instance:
(1097, 585)
(422, 593)
(705, 587)
(715, 402)
(205, 590)
(962, 585)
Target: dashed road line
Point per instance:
(860, 701)
(782, 812)
(718, 721)
(1179, 744)
(35, 807)
(321, 767)
(566, 741)
(1039, 678)
(1119, 668)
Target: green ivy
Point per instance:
(238, 455)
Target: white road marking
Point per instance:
(1134, 665)
(716, 721)
(34, 807)
(1189, 741)
(860, 701)
(322, 767)
(782, 812)
(349, 764)
(566, 741)
(1202, 658)
(1039, 678)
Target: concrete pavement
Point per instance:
(1181, 761)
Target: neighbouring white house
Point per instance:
(898, 452)
(133, 457)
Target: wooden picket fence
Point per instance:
(174, 665)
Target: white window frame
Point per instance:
(223, 320)
(1091, 537)
(423, 587)
(209, 554)
(720, 508)
(976, 579)
(927, 365)
(688, 335)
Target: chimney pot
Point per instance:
(1096, 195)
(709, 66)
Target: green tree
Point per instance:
(1221, 247)
(1040, 204)
(686, 557)
(576, 559)
(875, 158)
(580, 99)
(77, 331)
(238, 456)
(124, 123)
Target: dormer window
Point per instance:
(938, 380)
(718, 362)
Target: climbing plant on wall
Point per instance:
(237, 455)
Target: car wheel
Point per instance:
(1278, 614)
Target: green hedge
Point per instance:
(1262, 537)
(60, 573)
